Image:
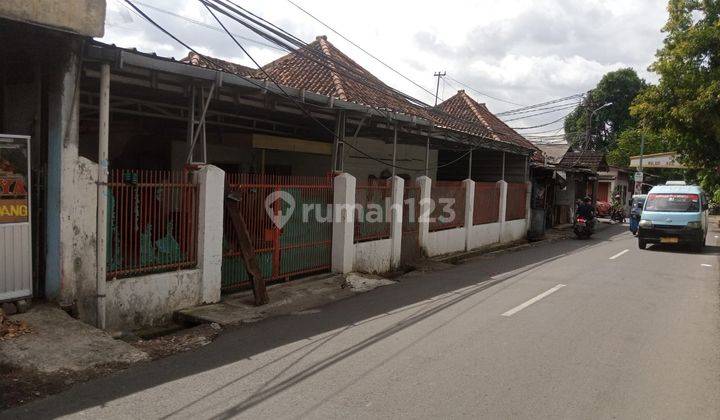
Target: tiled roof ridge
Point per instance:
(337, 81)
(472, 104)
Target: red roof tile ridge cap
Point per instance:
(477, 113)
(337, 81)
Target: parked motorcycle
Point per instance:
(583, 227)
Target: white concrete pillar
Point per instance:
(211, 185)
(528, 198)
(425, 183)
(343, 248)
(102, 202)
(63, 143)
(396, 215)
(469, 185)
(503, 186)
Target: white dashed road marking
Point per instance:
(520, 307)
(618, 254)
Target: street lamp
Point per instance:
(589, 123)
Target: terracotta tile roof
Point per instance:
(588, 159)
(240, 70)
(463, 113)
(321, 68)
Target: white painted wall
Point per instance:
(373, 256)
(514, 230)
(483, 235)
(445, 242)
(151, 300)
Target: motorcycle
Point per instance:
(583, 227)
(618, 214)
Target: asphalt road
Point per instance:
(573, 329)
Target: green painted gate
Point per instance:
(300, 245)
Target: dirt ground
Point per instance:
(19, 386)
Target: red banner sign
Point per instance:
(14, 175)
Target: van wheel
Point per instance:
(642, 244)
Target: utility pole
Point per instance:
(638, 184)
(439, 75)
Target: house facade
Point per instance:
(161, 153)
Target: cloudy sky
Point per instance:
(520, 51)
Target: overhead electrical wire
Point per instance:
(299, 43)
(307, 53)
(542, 125)
(554, 101)
(542, 113)
(286, 36)
(361, 48)
(482, 93)
(302, 108)
(220, 67)
(203, 24)
(205, 3)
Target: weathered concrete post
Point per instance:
(101, 220)
(211, 185)
(425, 183)
(343, 220)
(469, 185)
(528, 198)
(396, 216)
(503, 186)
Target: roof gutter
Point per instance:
(121, 58)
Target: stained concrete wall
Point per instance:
(373, 256)
(63, 143)
(83, 17)
(80, 218)
(445, 242)
(514, 230)
(151, 300)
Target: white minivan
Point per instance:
(674, 214)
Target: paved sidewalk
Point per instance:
(295, 297)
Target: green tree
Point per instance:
(684, 106)
(628, 144)
(619, 87)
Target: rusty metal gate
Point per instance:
(289, 219)
(410, 246)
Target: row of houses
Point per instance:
(135, 160)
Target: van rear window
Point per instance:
(681, 203)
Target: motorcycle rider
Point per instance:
(586, 210)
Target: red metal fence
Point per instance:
(448, 201)
(372, 220)
(302, 242)
(152, 222)
(516, 201)
(486, 208)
